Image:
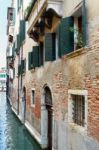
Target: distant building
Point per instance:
(3, 76)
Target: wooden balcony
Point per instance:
(11, 63)
(43, 8)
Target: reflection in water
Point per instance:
(13, 135)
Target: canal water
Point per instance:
(13, 135)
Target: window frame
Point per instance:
(78, 12)
(70, 108)
(76, 32)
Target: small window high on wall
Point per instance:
(79, 16)
(72, 31)
(78, 41)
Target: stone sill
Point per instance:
(78, 129)
(65, 57)
(77, 52)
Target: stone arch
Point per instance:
(46, 117)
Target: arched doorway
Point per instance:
(46, 118)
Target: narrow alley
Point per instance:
(13, 135)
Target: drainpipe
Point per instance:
(85, 22)
(18, 97)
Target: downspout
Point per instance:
(18, 96)
(85, 22)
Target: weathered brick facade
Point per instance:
(78, 70)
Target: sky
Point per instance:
(3, 28)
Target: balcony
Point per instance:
(43, 9)
(10, 38)
(29, 9)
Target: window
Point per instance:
(78, 41)
(79, 27)
(77, 107)
(33, 97)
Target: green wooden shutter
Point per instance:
(19, 70)
(18, 43)
(13, 49)
(58, 36)
(84, 23)
(41, 54)
(21, 2)
(22, 66)
(13, 72)
(22, 31)
(66, 39)
(18, 4)
(49, 46)
(29, 60)
(35, 56)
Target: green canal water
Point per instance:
(13, 135)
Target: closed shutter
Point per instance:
(18, 43)
(66, 37)
(13, 72)
(22, 66)
(29, 60)
(41, 54)
(35, 56)
(49, 46)
(84, 23)
(16, 50)
(22, 31)
(58, 36)
(19, 70)
(13, 49)
(21, 2)
(18, 4)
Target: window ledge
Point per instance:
(77, 52)
(78, 128)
